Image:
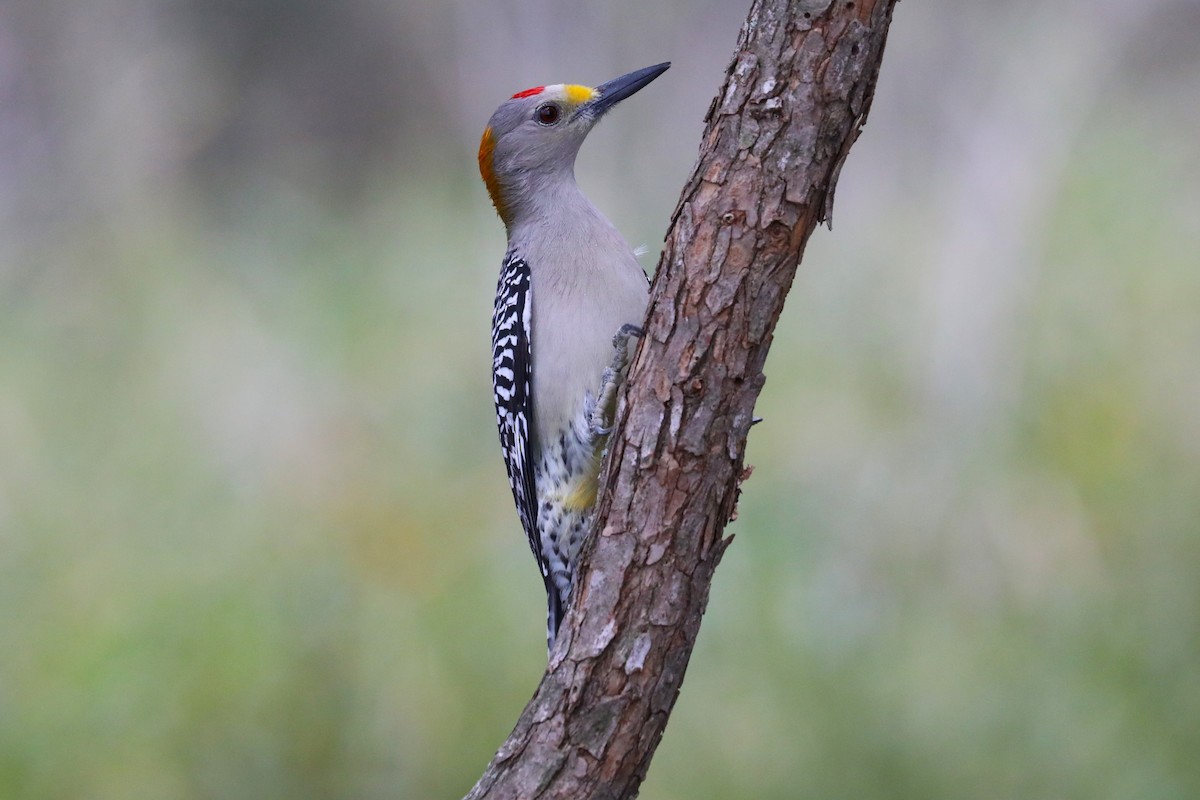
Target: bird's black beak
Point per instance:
(616, 90)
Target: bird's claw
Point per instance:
(596, 418)
(612, 379)
(621, 339)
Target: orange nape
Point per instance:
(486, 145)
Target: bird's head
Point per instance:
(533, 136)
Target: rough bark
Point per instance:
(794, 100)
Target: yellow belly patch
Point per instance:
(582, 495)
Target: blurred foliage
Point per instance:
(255, 538)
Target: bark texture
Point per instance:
(794, 100)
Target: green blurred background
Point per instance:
(255, 536)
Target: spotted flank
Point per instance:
(567, 477)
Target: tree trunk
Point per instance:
(794, 100)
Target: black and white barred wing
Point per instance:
(512, 385)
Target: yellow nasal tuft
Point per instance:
(577, 94)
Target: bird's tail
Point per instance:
(554, 614)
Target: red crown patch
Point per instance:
(528, 92)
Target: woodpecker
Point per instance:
(569, 300)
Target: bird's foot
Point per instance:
(613, 373)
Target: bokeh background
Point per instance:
(255, 536)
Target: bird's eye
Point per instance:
(547, 113)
